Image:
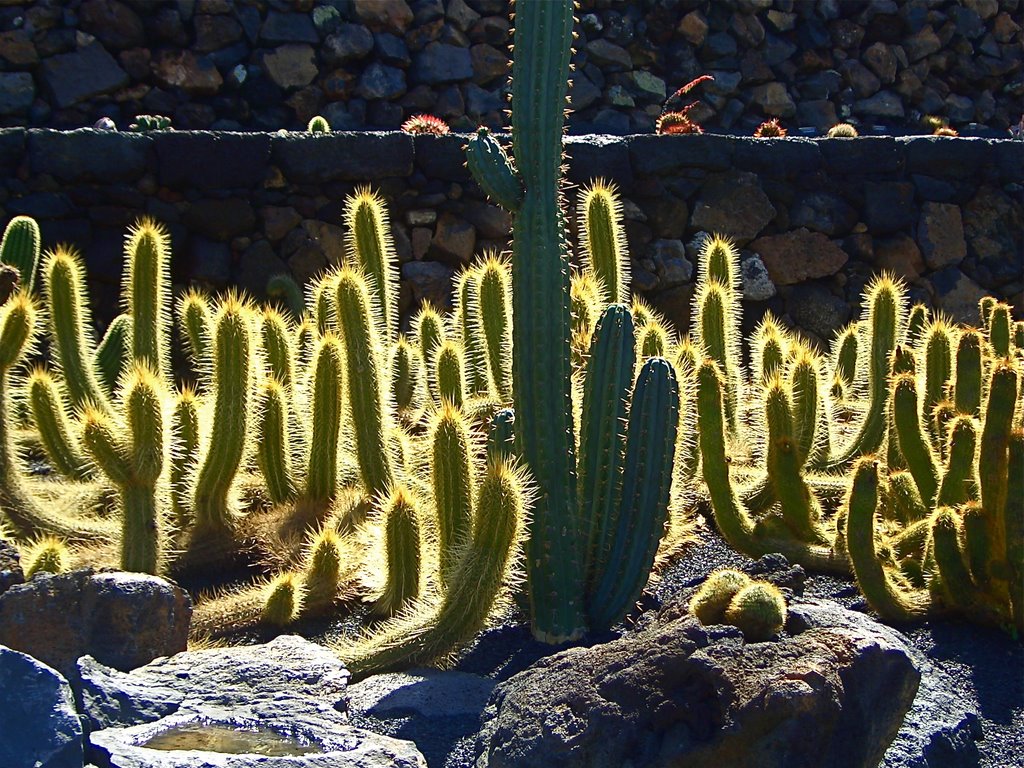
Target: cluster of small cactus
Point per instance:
(909, 416)
(757, 608)
(426, 124)
(143, 123)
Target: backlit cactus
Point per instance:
(48, 408)
(20, 249)
(147, 289)
(371, 250)
(494, 320)
(402, 553)
(603, 240)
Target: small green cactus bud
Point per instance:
(654, 341)
(47, 554)
(493, 170)
(758, 610)
(325, 561)
(318, 124)
(715, 595)
(283, 600)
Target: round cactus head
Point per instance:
(758, 610)
(715, 595)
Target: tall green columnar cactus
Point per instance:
(428, 328)
(938, 341)
(917, 320)
(20, 249)
(71, 328)
(449, 374)
(408, 379)
(273, 451)
(113, 352)
(967, 384)
(603, 240)
(134, 463)
(452, 480)
(993, 464)
(883, 322)
(147, 290)
(195, 317)
(1000, 330)
(467, 310)
(49, 413)
(402, 552)
(371, 250)
(184, 447)
(369, 412)
(328, 403)
(914, 442)
(277, 347)
(541, 356)
(228, 439)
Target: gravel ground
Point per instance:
(986, 666)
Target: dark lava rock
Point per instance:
(10, 566)
(82, 74)
(90, 155)
(211, 161)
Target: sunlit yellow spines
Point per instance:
(49, 414)
(812, 414)
(719, 261)
(194, 318)
(146, 293)
(18, 318)
(408, 376)
(715, 325)
(326, 418)
(654, 340)
(452, 470)
(844, 355)
(228, 440)
(403, 552)
(278, 351)
(448, 374)
(303, 337)
(370, 248)
(770, 348)
(321, 301)
(70, 325)
(283, 600)
(584, 302)
(603, 240)
(329, 562)
(495, 321)
(274, 449)
(688, 357)
(468, 330)
(429, 331)
(642, 312)
(47, 554)
(935, 362)
(184, 448)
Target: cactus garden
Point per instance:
(542, 521)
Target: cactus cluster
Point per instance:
(756, 608)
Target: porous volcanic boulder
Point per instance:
(40, 726)
(123, 619)
(678, 693)
(793, 257)
(733, 204)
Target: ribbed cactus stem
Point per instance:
(322, 300)
(953, 579)
(846, 354)
(913, 441)
(20, 249)
(408, 378)
(71, 328)
(770, 348)
(402, 553)
(231, 396)
(370, 415)
(619, 578)
(276, 343)
(715, 324)
(195, 318)
(809, 430)
(967, 387)
(938, 365)
(273, 451)
(719, 262)
(493, 170)
(429, 331)
(283, 600)
(484, 568)
(960, 481)
(452, 479)
(371, 250)
(323, 570)
(917, 320)
(47, 554)
(328, 405)
(184, 449)
(467, 317)
(449, 376)
(985, 305)
(993, 461)
(49, 413)
(884, 321)
(495, 321)
(606, 388)
(654, 341)
(113, 352)
(603, 240)
(1000, 330)
(147, 291)
(883, 594)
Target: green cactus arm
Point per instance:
(113, 352)
(184, 448)
(493, 170)
(318, 124)
(70, 328)
(276, 345)
(370, 249)
(229, 438)
(328, 406)
(952, 579)
(967, 385)
(647, 480)
(1015, 528)
(49, 413)
(846, 354)
(1000, 330)
(147, 288)
(452, 481)
(884, 321)
(993, 461)
(960, 479)
(495, 323)
(327, 567)
(195, 317)
(371, 416)
(808, 430)
(20, 249)
(474, 345)
(606, 390)
(402, 553)
(891, 601)
(322, 295)
(913, 441)
(769, 348)
(603, 240)
(717, 327)
(273, 451)
(48, 554)
(917, 320)
(486, 565)
(408, 378)
(938, 365)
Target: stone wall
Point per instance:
(269, 64)
(815, 218)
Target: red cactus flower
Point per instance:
(426, 124)
(769, 129)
